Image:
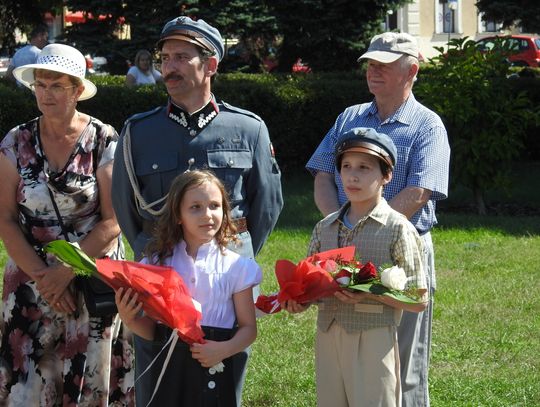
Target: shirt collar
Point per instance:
(196, 121)
(404, 114)
(378, 214)
(203, 251)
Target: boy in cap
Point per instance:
(420, 178)
(357, 358)
(194, 130)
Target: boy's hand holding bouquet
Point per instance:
(337, 272)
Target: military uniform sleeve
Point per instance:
(122, 196)
(263, 191)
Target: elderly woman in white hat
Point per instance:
(56, 184)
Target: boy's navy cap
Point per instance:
(390, 46)
(366, 140)
(197, 32)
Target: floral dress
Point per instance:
(49, 358)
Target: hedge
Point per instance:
(298, 109)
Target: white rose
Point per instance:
(394, 278)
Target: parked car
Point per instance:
(96, 65)
(300, 66)
(524, 49)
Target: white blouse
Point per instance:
(141, 78)
(213, 278)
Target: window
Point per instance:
(447, 16)
(391, 21)
(488, 26)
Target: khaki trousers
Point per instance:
(357, 369)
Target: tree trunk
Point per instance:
(479, 200)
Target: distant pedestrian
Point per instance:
(28, 54)
(143, 72)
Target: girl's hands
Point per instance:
(128, 306)
(209, 353)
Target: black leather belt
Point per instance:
(240, 223)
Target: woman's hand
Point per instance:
(66, 303)
(209, 353)
(128, 306)
(53, 281)
(294, 307)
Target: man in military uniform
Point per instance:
(194, 130)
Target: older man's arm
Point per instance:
(409, 200)
(325, 193)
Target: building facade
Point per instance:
(435, 22)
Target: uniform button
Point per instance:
(211, 384)
(192, 133)
(230, 163)
(193, 279)
(155, 166)
(212, 371)
(221, 140)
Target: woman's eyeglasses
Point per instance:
(55, 89)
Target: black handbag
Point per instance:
(98, 296)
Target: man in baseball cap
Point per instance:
(420, 178)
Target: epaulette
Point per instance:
(139, 116)
(241, 111)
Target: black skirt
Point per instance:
(186, 382)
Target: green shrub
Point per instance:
(298, 109)
(485, 117)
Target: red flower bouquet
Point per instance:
(161, 290)
(322, 274)
(307, 281)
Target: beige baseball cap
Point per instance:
(390, 46)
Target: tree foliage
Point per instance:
(24, 15)
(525, 12)
(486, 120)
(328, 34)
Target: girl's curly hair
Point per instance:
(168, 233)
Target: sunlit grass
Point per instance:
(486, 334)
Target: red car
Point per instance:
(525, 48)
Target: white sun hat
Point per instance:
(58, 58)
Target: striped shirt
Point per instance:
(422, 146)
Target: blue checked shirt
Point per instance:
(422, 146)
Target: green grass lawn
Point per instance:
(486, 334)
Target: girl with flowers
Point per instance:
(357, 359)
(191, 236)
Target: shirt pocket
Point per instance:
(231, 166)
(155, 173)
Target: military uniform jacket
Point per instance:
(232, 142)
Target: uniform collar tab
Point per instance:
(196, 121)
